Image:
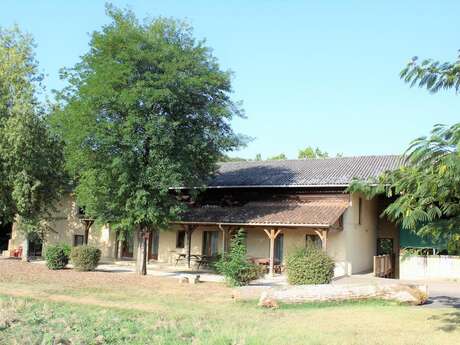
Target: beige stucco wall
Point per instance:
(64, 225)
(352, 248)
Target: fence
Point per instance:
(432, 266)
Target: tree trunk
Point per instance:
(25, 250)
(142, 244)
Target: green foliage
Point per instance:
(309, 265)
(226, 158)
(31, 160)
(432, 75)
(147, 108)
(235, 266)
(57, 256)
(427, 188)
(279, 157)
(453, 246)
(85, 258)
(310, 152)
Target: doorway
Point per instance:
(127, 247)
(210, 241)
(153, 245)
(5, 235)
(278, 254)
(35, 246)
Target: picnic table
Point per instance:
(200, 260)
(265, 262)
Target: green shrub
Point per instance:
(85, 258)
(309, 265)
(235, 266)
(57, 256)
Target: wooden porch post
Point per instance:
(322, 233)
(189, 230)
(272, 234)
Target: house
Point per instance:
(282, 205)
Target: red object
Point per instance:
(16, 253)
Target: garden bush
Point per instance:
(235, 266)
(309, 265)
(57, 256)
(85, 258)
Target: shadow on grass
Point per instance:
(445, 301)
(450, 321)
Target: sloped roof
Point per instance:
(303, 172)
(313, 211)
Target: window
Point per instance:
(210, 239)
(180, 239)
(313, 240)
(78, 240)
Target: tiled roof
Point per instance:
(303, 172)
(318, 211)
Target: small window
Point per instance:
(78, 240)
(360, 206)
(180, 239)
(314, 240)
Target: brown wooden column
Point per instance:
(322, 233)
(189, 230)
(272, 234)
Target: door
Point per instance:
(154, 240)
(35, 246)
(5, 235)
(210, 243)
(278, 254)
(128, 246)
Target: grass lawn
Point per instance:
(38, 306)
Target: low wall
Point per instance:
(434, 266)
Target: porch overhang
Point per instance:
(316, 211)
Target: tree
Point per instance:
(31, 159)
(310, 152)
(145, 110)
(427, 188)
(279, 157)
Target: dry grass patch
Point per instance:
(122, 308)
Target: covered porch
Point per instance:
(273, 228)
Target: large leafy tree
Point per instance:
(426, 190)
(31, 160)
(146, 109)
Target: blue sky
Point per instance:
(319, 73)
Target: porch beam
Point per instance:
(272, 235)
(322, 234)
(189, 230)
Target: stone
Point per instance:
(404, 293)
(266, 301)
(183, 280)
(194, 279)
